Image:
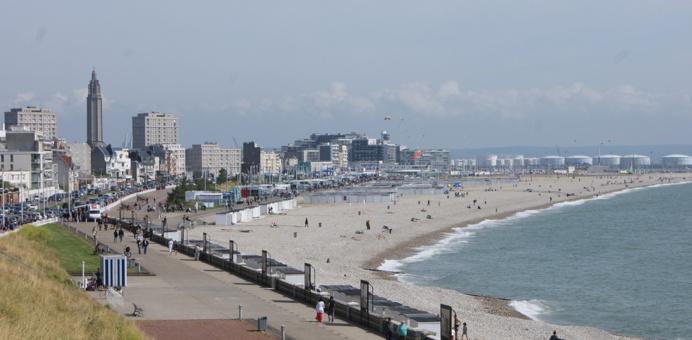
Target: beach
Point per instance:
(343, 250)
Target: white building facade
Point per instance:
(154, 128)
(40, 120)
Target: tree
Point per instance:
(222, 177)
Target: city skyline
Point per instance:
(479, 75)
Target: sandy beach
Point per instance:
(343, 250)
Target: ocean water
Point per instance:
(621, 262)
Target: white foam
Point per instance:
(390, 265)
(531, 308)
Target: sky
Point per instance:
(450, 74)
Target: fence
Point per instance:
(310, 297)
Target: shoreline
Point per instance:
(492, 304)
(344, 251)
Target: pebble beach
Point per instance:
(344, 251)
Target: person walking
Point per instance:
(145, 245)
(319, 309)
(388, 328)
(197, 252)
(170, 247)
(121, 233)
(457, 323)
(139, 245)
(115, 236)
(331, 309)
(306, 222)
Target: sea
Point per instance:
(621, 262)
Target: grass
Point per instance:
(71, 250)
(39, 301)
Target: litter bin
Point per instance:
(262, 324)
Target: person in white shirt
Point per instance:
(320, 310)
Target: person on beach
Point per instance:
(554, 336)
(319, 309)
(331, 309)
(464, 332)
(457, 323)
(306, 222)
(367, 224)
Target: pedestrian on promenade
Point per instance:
(145, 245)
(170, 247)
(121, 233)
(319, 309)
(197, 251)
(115, 236)
(306, 222)
(388, 328)
(331, 309)
(139, 245)
(93, 233)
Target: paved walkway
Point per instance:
(186, 289)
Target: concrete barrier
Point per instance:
(126, 198)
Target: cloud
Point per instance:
(449, 99)
(24, 97)
(327, 103)
(449, 89)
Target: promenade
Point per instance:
(184, 289)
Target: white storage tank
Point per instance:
(552, 162)
(578, 160)
(530, 162)
(489, 161)
(607, 160)
(519, 161)
(634, 161)
(677, 161)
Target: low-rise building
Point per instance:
(270, 162)
(26, 152)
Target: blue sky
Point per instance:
(449, 73)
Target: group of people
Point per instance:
(321, 308)
(390, 329)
